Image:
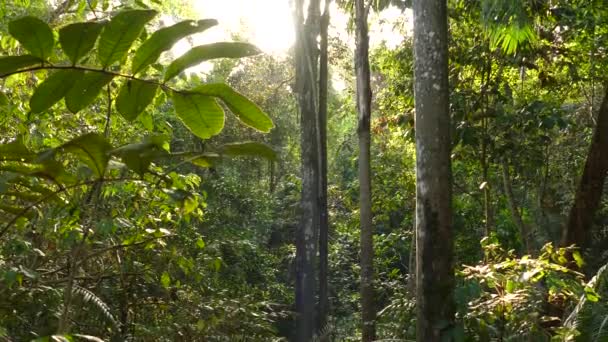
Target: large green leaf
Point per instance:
(86, 89)
(200, 113)
(92, 149)
(139, 156)
(163, 39)
(248, 112)
(207, 52)
(53, 89)
(134, 97)
(10, 64)
(34, 34)
(15, 151)
(120, 33)
(78, 39)
(249, 148)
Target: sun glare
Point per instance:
(265, 23)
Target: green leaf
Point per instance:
(134, 97)
(200, 243)
(163, 39)
(53, 89)
(206, 159)
(249, 149)
(165, 279)
(576, 255)
(201, 114)
(86, 89)
(207, 52)
(34, 34)
(3, 100)
(92, 149)
(11, 64)
(139, 156)
(16, 151)
(78, 39)
(248, 112)
(120, 33)
(14, 210)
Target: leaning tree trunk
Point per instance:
(323, 212)
(515, 212)
(435, 272)
(307, 234)
(591, 185)
(364, 99)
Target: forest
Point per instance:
(435, 174)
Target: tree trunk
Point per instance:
(307, 234)
(591, 185)
(323, 212)
(434, 269)
(515, 213)
(364, 99)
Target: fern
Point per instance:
(89, 297)
(590, 318)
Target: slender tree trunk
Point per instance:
(364, 101)
(307, 234)
(591, 185)
(515, 213)
(323, 212)
(434, 268)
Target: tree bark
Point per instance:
(591, 185)
(434, 249)
(323, 212)
(364, 99)
(308, 230)
(515, 213)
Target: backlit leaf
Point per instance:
(134, 97)
(34, 34)
(11, 64)
(53, 89)
(254, 149)
(207, 52)
(248, 112)
(78, 39)
(85, 90)
(92, 149)
(201, 114)
(163, 39)
(120, 33)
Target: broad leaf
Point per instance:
(53, 89)
(248, 112)
(14, 210)
(200, 113)
(254, 149)
(85, 90)
(11, 64)
(78, 39)
(139, 156)
(163, 39)
(34, 34)
(134, 97)
(15, 151)
(120, 33)
(207, 52)
(92, 149)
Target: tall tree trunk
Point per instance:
(515, 213)
(435, 272)
(364, 100)
(307, 234)
(323, 212)
(591, 185)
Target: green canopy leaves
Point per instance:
(120, 33)
(207, 52)
(34, 34)
(163, 39)
(78, 39)
(92, 149)
(249, 148)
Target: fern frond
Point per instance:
(90, 297)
